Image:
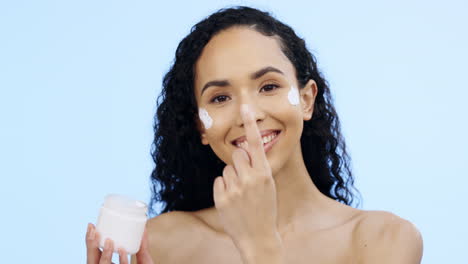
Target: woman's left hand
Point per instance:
(245, 197)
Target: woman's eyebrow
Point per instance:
(264, 71)
(253, 76)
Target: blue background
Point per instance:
(79, 81)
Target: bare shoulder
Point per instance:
(172, 235)
(384, 237)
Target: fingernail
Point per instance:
(107, 244)
(245, 147)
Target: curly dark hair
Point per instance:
(185, 169)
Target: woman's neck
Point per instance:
(297, 196)
(300, 205)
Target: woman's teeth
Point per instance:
(265, 140)
(242, 145)
(269, 138)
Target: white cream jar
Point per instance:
(123, 220)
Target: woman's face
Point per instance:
(241, 66)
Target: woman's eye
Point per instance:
(219, 99)
(270, 87)
(222, 98)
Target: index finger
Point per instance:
(254, 139)
(93, 254)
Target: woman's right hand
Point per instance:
(96, 256)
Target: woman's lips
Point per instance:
(269, 145)
(263, 134)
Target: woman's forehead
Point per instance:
(237, 53)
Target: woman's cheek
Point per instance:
(280, 102)
(212, 117)
(216, 123)
(293, 96)
(205, 118)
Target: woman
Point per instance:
(245, 99)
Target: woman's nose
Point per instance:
(257, 112)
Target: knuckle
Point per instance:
(265, 169)
(238, 156)
(249, 183)
(237, 192)
(264, 177)
(227, 170)
(234, 193)
(257, 142)
(236, 153)
(103, 259)
(222, 203)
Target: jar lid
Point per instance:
(125, 204)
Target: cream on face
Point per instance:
(205, 118)
(293, 96)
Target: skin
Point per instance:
(267, 209)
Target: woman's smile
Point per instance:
(273, 138)
(269, 138)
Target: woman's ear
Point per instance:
(201, 130)
(308, 95)
(203, 139)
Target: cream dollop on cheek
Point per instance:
(205, 118)
(293, 96)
